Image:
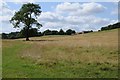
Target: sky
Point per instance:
(78, 16)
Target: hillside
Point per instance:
(84, 55)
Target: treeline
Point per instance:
(109, 27)
(33, 32)
(83, 32)
(61, 32)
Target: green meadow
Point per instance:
(91, 55)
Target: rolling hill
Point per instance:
(92, 55)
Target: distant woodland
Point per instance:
(33, 32)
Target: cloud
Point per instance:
(77, 16)
(52, 20)
(93, 8)
(68, 6)
(86, 19)
(50, 16)
(80, 9)
(5, 16)
(6, 11)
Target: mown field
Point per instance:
(92, 55)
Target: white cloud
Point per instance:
(5, 16)
(86, 19)
(77, 16)
(93, 8)
(80, 9)
(50, 16)
(6, 11)
(68, 6)
(52, 20)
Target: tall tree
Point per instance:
(27, 15)
(69, 32)
(61, 32)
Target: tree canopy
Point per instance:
(27, 15)
(109, 27)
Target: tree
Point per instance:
(109, 27)
(54, 32)
(40, 34)
(27, 15)
(69, 32)
(4, 36)
(61, 32)
(32, 32)
(13, 35)
(73, 32)
(47, 32)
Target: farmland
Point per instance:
(92, 55)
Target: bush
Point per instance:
(61, 32)
(70, 32)
(109, 27)
(4, 36)
(47, 32)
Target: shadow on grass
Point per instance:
(40, 40)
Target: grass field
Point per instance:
(92, 55)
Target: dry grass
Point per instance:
(92, 55)
(97, 47)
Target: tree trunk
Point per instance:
(27, 34)
(27, 38)
(27, 31)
